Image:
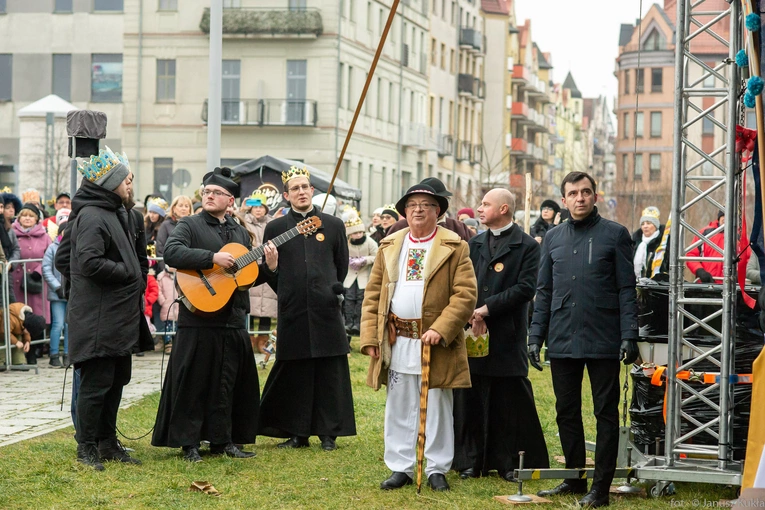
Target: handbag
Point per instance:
(34, 283)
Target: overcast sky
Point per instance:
(583, 37)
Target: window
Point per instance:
(367, 100)
(709, 81)
(656, 79)
(625, 166)
(653, 42)
(232, 4)
(107, 5)
(379, 98)
(351, 10)
(297, 5)
(2, 5)
(639, 124)
(627, 81)
(452, 61)
(349, 92)
(230, 91)
(62, 76)
(454, 10)
(168, 5)
(6, 77)
(443, 10)
(440, 113)
(163, 177)
(639, 81)
(406, 178)
(381, 23)
(165, 81)
(655, 170)
(707, 126)
(655, 124)
(638, 167)
(433, 51)
(369, 16)
(626, 129)
(443, 56)
(106, 78)
(297, 78)
(62, 6)
(390, 103)
(432, 111)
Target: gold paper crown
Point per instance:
(6, 190)
(353, 222)
(161, 202)
(392, 207)
(295, 172)
(30, 195)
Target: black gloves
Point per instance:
(534, 356)
(628, 352)
(704, 276)
(60, 292)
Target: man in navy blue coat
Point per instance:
(586, 306)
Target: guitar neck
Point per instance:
(256, 253)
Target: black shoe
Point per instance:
(328, 443)
(55, 361)
(230, 450)
(594, 499)
(140, 354)
(438, 482)
(508, 476)
(564, 489)
(355, 331)
(294, 442)
(469, 473)
(65, 361)
(112, 449)
(88, 454)
(191, 454)
(395, 481)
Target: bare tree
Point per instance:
(51, 176)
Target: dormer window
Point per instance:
(654, 41)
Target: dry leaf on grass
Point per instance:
(205, 487)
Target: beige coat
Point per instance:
(367, 250)
(448, 301)
(262, 297)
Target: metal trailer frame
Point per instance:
(699, 463)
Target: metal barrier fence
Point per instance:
(7, 272)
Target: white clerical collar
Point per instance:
(498, 231)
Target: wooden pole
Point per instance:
(424, 387)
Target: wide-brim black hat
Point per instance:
(443, 202)
(437, 186)
(222, 177)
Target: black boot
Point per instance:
(191, 453)
(112, 449)
(294, 442)
(230, 450)
(88, 454)
(54, 361)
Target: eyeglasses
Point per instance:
(386, 217)
(215, 192)
(425, 206)
(303, 187)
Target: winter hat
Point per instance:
(108, 169)
(354, 225)
(197, 206)
(29, 206)
(390, 209)
(651, 214)
(552, 204)
(318, 201)
(222, 177)
(466, 210)
(35, 324)
(62, 215)
(258, 198)
(470, 222)
(157, 205)
(720, 214)
(11, 199)
(377, 212)
(63, 194)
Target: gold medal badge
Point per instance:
(499, 266)
(319, 237)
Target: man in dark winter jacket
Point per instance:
(548, 218)
(308, 392)
(211, 389)
(106, 291)
(586, 305)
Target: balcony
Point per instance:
(469, 85)
(521, 74)
(464, 151)
(477, 157)
(518, 146)
(266, 112)
(520, 111)
(269, 22)
(445, 145)
(471, 38)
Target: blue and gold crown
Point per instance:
(159, 202)
(100, 165)
(295, 172)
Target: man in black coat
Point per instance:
(211, 389)
(586, 305)
(106, 322)
(308, 391)
(497, 418)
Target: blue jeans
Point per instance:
(58, 324)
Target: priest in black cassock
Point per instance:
(308, 392)
(211, 389)
(497, 418)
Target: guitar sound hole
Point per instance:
(233, 269)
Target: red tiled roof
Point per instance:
(496, 6)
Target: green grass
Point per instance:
(42, 473)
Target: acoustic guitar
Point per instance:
(206, 291)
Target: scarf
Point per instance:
(641, 254)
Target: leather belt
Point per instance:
(410, 328)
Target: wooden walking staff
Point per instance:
(527, 205)
(424, 387)
(754, 70)
(370, 74)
